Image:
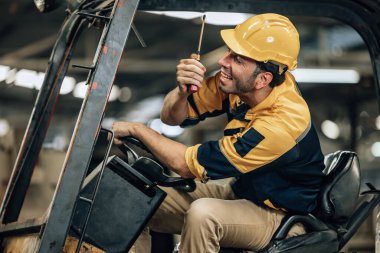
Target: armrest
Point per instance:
(183, 184)
(309, 221)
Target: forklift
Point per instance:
(83, 213)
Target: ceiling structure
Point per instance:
(28, 36)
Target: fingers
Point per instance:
(120, 130)
(190, 71)
(116, 141)
(189, 80)
(194, 62)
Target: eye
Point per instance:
(237, 58)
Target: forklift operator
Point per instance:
(270, 147)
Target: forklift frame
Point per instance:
(52, 229)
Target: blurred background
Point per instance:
(334, 74)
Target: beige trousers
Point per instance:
(212, 217)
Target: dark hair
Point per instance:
(274, 69)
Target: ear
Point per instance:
(263, 80)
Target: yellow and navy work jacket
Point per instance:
(272, 149)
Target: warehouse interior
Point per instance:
(335, 76)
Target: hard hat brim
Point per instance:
(232, 43)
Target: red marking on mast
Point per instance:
(105, 50)
(120, 3)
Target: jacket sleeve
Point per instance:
(209, 101)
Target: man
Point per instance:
(269, 143)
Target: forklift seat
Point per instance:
(339, 213)
(328, 225)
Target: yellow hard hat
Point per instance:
(265, 37)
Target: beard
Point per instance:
(239, 86)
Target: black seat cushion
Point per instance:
(340, 188)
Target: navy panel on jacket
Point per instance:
(248, 141)
(216, 165)
(291, 182)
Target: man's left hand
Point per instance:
(122, 129)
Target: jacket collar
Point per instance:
(243, 111)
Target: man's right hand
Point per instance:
(190, 71)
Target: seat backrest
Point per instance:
(340, 188)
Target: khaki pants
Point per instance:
(212, 217)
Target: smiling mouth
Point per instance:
(226, 76)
